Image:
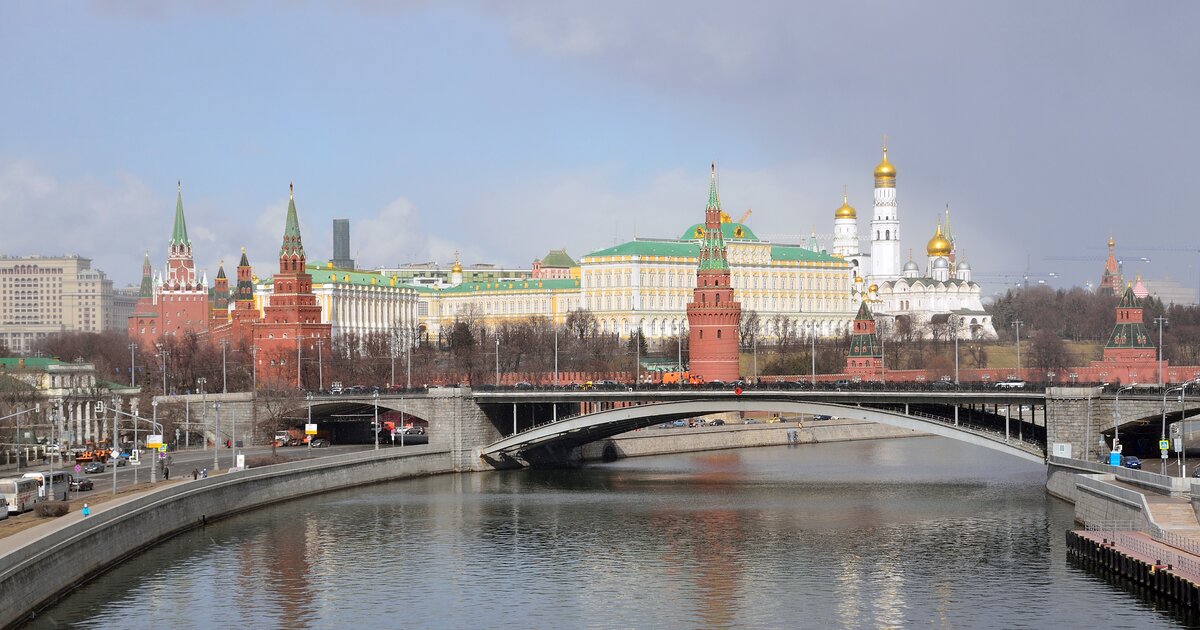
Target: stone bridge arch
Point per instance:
(553, 443)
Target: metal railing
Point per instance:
(1117, 531)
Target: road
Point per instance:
(182, 463)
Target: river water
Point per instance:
(921, 532)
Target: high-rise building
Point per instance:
(43, 295)
(341, 244)
(713, 314)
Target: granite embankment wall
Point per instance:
(39, 564)
(684, 439)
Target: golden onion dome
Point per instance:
(939, 245)
(457, 267)
(885, 168)
(874, 288)
(858, 280)
(846, 211)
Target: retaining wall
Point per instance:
(41, 563)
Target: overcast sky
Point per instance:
(506, 129)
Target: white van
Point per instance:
(21, 493)
(60, 480)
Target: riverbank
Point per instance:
(664, 441)
(39, 564)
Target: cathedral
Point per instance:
(940, 301)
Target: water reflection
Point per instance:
(916, 532)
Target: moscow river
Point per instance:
(888, 533)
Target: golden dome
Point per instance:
(457, 268)
(858, 280)
(846, 211)
(939, 245)
(885, 168)
(874, 288)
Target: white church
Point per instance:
(938, 301)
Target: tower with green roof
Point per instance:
(865, 357)
(1129, 341)
(713, 314)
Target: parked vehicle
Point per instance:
(93, 467)
(21, 493)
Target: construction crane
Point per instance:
(745, 216)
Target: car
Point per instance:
(679, 423)
(750, 421)
(523, 385)
(820, 416)
(413, 431)
(81, 484)
(841, 384)
(717, 423)
(319, 443)
(716, 383)
(1196, 473)
(1129, 461)
(941, 384)
(1010, 384)
(797, 385)
(93, 467)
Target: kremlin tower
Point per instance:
(865, 358)
(885, 225)
(1110, 280)
(291, 327)
(177, 302)
(713, 314)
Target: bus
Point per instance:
(21, 493)
(57, 482)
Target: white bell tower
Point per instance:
(885, 224)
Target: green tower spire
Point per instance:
(179, 234)
(712, 248)
(147, 288)
(291, 231)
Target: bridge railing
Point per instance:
(983, 429)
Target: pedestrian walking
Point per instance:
(166, 473)
(204, 473)
(86, 510)
(195, 474)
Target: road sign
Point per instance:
(1178, 445)
(154, 441)
(78, 468)
(1164, 453)
(1164, 445)
(162, 448)
(310, 429)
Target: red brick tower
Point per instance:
(1130, 341)
(219, 314)
(713, 314)
(291, 323)
(244, 315)
(865, 357)
(1110, 280)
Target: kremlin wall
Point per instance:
(698, 285)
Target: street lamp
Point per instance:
(307, 439)
(216, 435)
(555, 324)
(132, 365)
(204, 403)
(958, 322)
(1017, 324)
(497, 360)
(375, 427)
(1160, 321)
(1183, 425)
(1117, 427)
(162, 363)
(812, 326)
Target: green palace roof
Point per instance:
(532, 285)
(322, 273)
(691, 249)
(558, 258)
(31, 363)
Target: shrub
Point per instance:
(52, 508)
(254, 461)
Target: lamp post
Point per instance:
(299, 376)
(555, 324)
(216, 435)
(154, 454)
(37, 408)
(1183, 425)
(306, 439)
(812, 326)
(162, 363)
(497, 361)
(1160, 321)
(1117, 424)
(1017, 324)
(410, 338)
(132, 365)
(375, 427)
(204, 402)
(958, 322)
(224, 381)
(320, 367)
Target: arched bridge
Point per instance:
(1013, 423)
